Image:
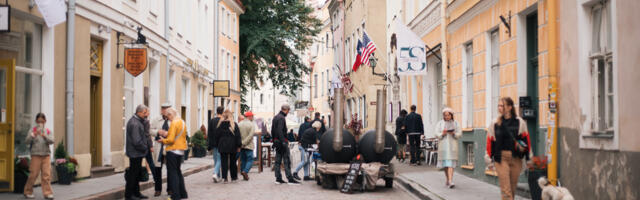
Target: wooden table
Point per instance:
(262, 146)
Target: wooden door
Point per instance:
(96, 122)
(7, 68)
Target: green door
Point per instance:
(532, 79)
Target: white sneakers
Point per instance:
(49, 196)
(215, 178)
(29, 196)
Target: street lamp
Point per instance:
(373, 62)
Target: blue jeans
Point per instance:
(216, 162)
(246, 156)
(304, 161)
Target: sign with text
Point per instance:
(354, 168)
(135, 60)
(412, 54)
(5, 17)
(221, 88)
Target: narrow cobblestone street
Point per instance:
(262, 186)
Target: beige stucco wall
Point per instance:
(365, 84)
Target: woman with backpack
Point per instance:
(229, 143)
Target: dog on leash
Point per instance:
(551, 192)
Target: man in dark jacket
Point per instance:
(281, 144)
(317, 119)
(303, 127)
(137, 148)
(415, 129)
(213, 143)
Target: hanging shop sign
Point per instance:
(135, 60)
(5, 18)
(220, 88)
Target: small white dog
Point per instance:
(551, 192)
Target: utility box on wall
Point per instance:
(527, 110)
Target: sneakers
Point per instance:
(215, 178)
(295, 176)
(245, 176)
(307, 178)
(278, 182)
(48, 196)
(225, 181)
(29, 196)
(293, 182)
(452, 185)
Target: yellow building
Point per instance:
(229, 53)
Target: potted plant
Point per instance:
(199, 145)
(65, 165)
(20, 174)
(537, 170)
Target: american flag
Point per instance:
(369, 47)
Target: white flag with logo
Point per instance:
(412, 54)
(53, 11)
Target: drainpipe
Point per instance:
(552, 136)
(443, 51)
(71, 19)
(216, 47)
(166, 37)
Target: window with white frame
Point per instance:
(223, 20)
(234, 75)
(601, 59)
(468, 95)
(328, 83)
(228, 67)
(228, 23)
(495, 73)
(171, 89)
(315, 86)
(364, 111)
(321, 86)
(200, 107)
(469, 147)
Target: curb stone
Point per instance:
(118, 193)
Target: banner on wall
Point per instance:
(411, 56)
(54, 12)
(221, 88)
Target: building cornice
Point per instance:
(468, 15)
(427, 20)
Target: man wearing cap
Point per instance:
(159, 127)
(247, 131)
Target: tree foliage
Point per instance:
(272, 34)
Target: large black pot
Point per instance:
(19, 180)
(199, 152)
(64, 176)
(367, 150)
(534, 188)
(348, 147)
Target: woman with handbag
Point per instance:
(507, 144)
(176, 144)
(39, 140)
(229, 143)
(448, 132)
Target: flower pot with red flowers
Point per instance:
(537, 170)
(65, 165)
(20, 174)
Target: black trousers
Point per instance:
(132, 187)
(283, 157)
(175, 178)
(228, 161)
(414, 144)
(156, 171)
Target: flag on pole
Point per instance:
(411, 56)
(369, 47)
(358, 61)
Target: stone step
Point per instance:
(102, 171)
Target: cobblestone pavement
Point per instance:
(262, 186)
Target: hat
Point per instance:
(248, 114)
(166, 105)
(447, 109)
